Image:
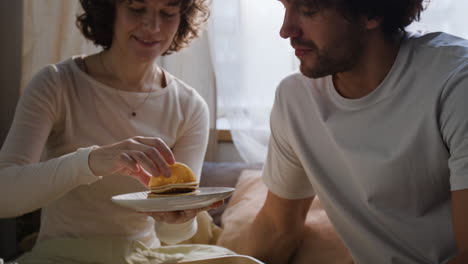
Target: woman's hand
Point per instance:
(139, 157)
(178, 217)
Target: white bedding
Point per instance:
(116, 251)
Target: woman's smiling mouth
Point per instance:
(146, 42)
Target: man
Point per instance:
(377, 127)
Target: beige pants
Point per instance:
(115, 251)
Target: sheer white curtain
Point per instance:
(444, 15)
(50, 35)
(249, 61)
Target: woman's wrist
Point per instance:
(175, 233)
(82, 156)
(91, 162)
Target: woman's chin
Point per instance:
(146, 57)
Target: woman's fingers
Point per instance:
(146, 162)
(216, 205)
(132, 168)
(126, 161)
(161, 147)
(138, 156)
(177, 217)
(142, 176)
(194, 212)
(154, 149)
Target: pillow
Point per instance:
(245, 203)
(223, 174)
(320, 243)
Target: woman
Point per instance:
(107, 122)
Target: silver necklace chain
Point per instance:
(131, 107)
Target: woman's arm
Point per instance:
(191, 144)
(190, 149)
(25, 183)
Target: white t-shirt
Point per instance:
(67, 111)
(383, 165)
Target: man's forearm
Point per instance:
(265, 242)
(277, 230)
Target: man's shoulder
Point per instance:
(293, 79)
(297, 84)
(290, 86)
(441, 43)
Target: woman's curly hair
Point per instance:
(97, 22)
(396, 15)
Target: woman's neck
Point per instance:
(127, 74)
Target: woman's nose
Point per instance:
(152, 21)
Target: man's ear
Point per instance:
(373, 23)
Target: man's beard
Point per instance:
(340, 56)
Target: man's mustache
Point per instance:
(302, 43)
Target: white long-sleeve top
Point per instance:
(62, 114)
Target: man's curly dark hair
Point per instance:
(97, 22)
(396, 15)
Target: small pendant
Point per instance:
(133, 114)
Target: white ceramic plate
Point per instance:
(139, 201)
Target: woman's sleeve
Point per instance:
(192, 140)
(189, 149)
(25, 183)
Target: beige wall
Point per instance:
(10, 62)
(10, 68)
